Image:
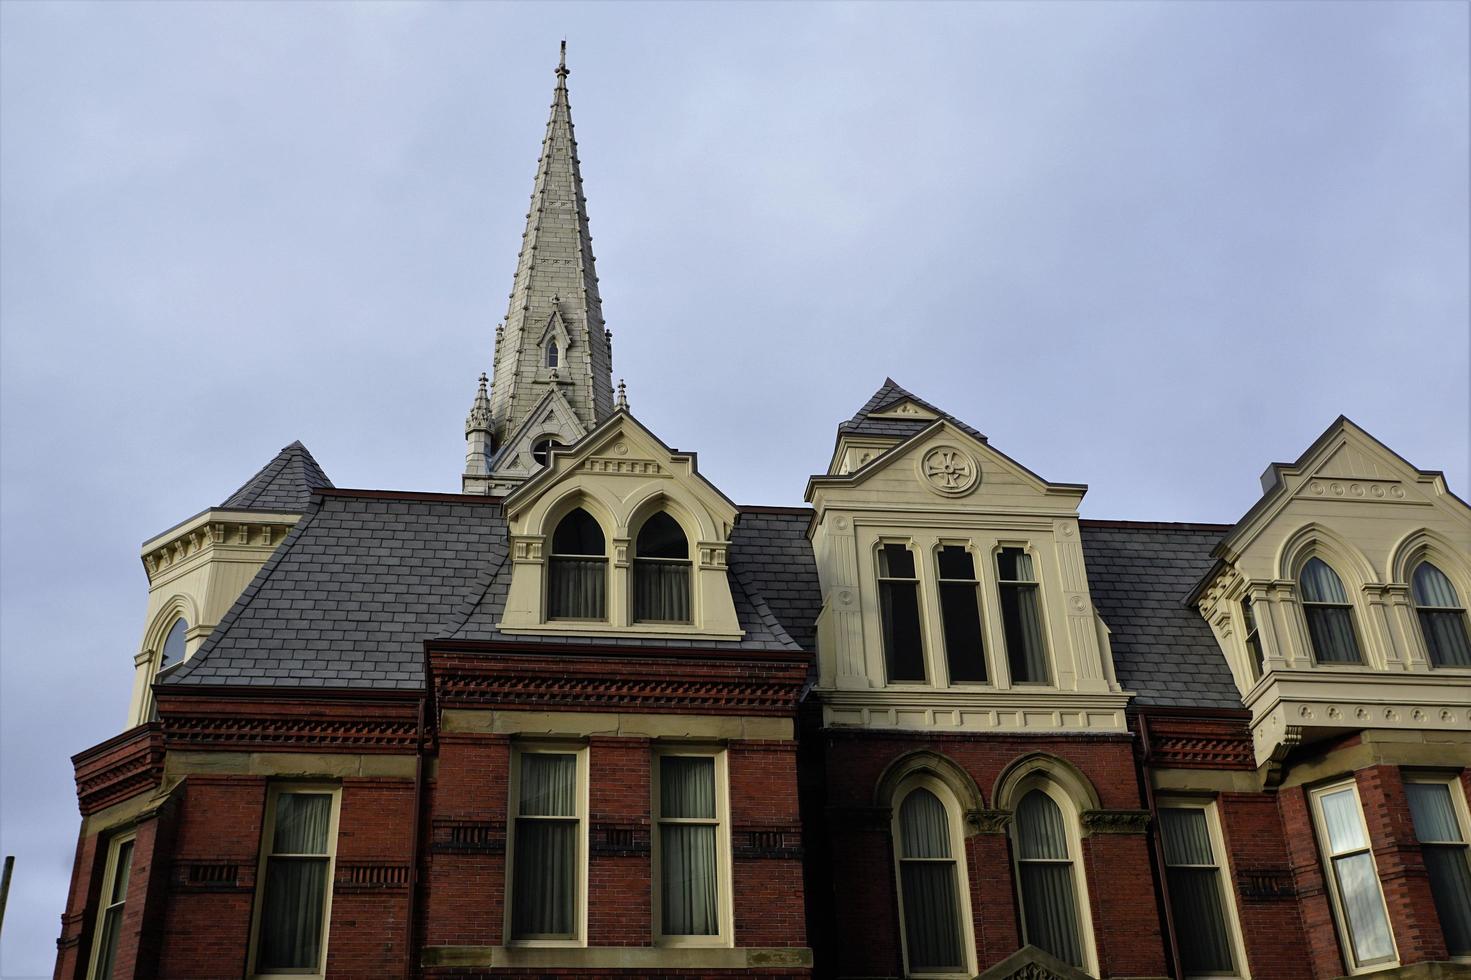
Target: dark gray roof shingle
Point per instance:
(284, 485)
(1139, 575)
(890, 393)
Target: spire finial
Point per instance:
(483, 380)
(562, 71)
(622, 395)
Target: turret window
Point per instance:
(1045, 872)
(577, 571)
(929, 883)
(173, 645)
(960, 610)
(899, 614)
(661, 572)
(1253, 640)
(1021, 617)
(1442, 617)
(1329, 614)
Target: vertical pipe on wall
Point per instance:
(1172, 942)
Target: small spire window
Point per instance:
(661, 572)
(1442, 617)
(552, 354)
(577, 571)
(1329, 614)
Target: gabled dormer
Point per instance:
(1339, 598)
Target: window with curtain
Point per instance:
(929, 883)
(960, 612)
(899, 614)
(1354, 880)
(1329, 614)
(661, 572)
(296, 880)
(1021, 617)
(577, 570)
(1047, 879)
(1197, 897)
(547, 829)
(689, 842)
(173, 645)
(118, 869)
(1441, 830)
(1253, 640)
(1442, 617)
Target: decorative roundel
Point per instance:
(950, 471)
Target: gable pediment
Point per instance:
(552, 418)
(904, 408)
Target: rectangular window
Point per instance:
(960, 611)
(295, 893)
(1253, 641)
(1358, 901)
(548, 805)
(899, 613)
(690, 847)
(1021, 617)
(1439, 812)
(1198, 897)
(110, 906)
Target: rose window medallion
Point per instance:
(949, 470)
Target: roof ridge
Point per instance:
(1154, 525)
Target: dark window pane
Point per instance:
(661, 591)
(1050, 910)
(956, 562)
(687, 862)
(662, 537)
(1332, 632)
(544, 888)
(961, 612)
(1200, 920)
(173, 645)
(931, 916)
(903, 647)
(1445, 637)
(896, 561)
(1014, 565)
(1450, 884)
(579, 534)
(577, 588)
(291, 914)
(542, 450)
(1021, 621)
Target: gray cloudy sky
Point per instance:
(1147, 247)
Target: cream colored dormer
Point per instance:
(620, 535)
(1314, 598)
(954, 591)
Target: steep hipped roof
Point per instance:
(285, 484)
(1139, 574)
(890, 394)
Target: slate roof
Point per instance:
(888, 394)
(1139, 575)
(284, 485)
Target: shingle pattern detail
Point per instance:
(888, 394)
(772, 551)
(1139, 575)
(284, 485)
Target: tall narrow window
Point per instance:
(1045, 874)
(960, 610)
(545, 869)
(577, 572)
(1253, 640)
(1021, 617)
(296, 879)
(689, 816)
(1197, 901)
(899, 613)
(1357, 898)
(929, 886)
(173, 645)
(1442, 617)
(551, 353)
(1440, 828)
(661, 572)
(1329, 615)
(110, 908)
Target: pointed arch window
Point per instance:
(1047, 878)
(577, 570)
(552, 354)
(1442, 617)
(929, 886)
(173, 645)
(1329, 614)
(661, 572)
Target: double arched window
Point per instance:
(1047, 878)
(1329, 614)
(1442, 617)
(930, 881)
(577, 570)
(661, 572)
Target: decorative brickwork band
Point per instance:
(468, 837)
(359, 876)
(1265, 885)
(211, 876)
(988, 821)
(1115, 821)
(784, 842)
(620, 840)
(119, 768)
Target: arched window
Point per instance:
(1048, 882)
(577, 571)
(1442, 617)
(929, 886)
(1329, 614)
(661, 572)
(173, 645)
(551, 353)
(541, 450)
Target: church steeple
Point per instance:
(553, 341)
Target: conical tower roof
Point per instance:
(284, 485)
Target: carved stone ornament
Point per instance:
(988, 821)
(1115, 821)
(949, 471)
(1031, 963)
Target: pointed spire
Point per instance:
(285, 484)
(477, 441)
(622, 396)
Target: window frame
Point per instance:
(268, 830)
(513, 816)
(917, 580)
(724, 892)
(1326, 856)
(1073, 824)
(1002, 585)
(552, 555)
(635, 560)
(1234, 935)
(1421, 610)
(109, 873)
(1305, 604)
(1251, 639)
(955, 823)
(1457, 790)
(978, 585)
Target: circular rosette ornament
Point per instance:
(949, 471)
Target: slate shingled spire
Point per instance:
(554, 300)
(283, 486)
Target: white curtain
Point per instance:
(296, 883)
(1049, 896)
(1442, 619)
(1195, 891)
(1021, 617)
(1447, 859)
(1329, 615)
(661, 591)
(927, 876)
(577, 588)
(544, 890)
(688, 871)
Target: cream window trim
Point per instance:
(998, 586)
(954, 821)
(268, 830)
(1456, 791)
(105, 900)
(977, 584)
(924, 593)
(724, 893)
(1335, 886)
(1222, 866)
(579, 905)
(1072, 822)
